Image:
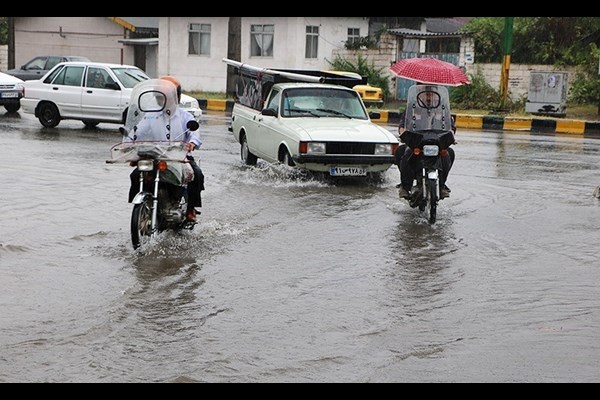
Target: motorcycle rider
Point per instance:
(153, 127)
(408, 169)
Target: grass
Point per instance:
(587, 112)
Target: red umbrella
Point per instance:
(430, 70)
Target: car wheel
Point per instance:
(90, 123)
(48, 115)
(12, 108)
(287, 159)
(247, 156)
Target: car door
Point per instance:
(102, 96)
(270, 132)
(66, 91)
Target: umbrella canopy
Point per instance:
(430, 70)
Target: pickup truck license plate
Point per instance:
(347, 171)
(9, 95)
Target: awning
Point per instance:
(140, 42)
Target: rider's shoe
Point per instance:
(190, 216)
(403, 193)
(444, 192)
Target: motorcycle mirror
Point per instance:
(193, 125)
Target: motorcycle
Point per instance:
(164, 170)
(429, 134)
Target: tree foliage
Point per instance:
(557, 41)
(375, 76)
(536, 40)
(3, 30)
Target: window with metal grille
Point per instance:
(353, 35)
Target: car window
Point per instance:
(52, 75)
(98, 78)
(69, 76)
(274, 101)
(129, 77)
(36, 63)
(52, 61)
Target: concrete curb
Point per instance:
(468, 121)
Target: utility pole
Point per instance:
(508, 30)
(11, 42)
(234, 51)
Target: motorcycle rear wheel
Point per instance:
(141, 224)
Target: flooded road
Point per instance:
(288, 279)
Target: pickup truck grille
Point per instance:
(350, 148)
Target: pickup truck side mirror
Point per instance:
(269, 112)
(374, 115)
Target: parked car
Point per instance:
(88, 91)
(39, 66)
(11, 91)
(191, 105)
(370, 95)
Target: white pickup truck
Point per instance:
(319, 127)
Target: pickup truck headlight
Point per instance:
(383, 149)
(313, 148)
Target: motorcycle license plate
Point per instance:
(347, 171)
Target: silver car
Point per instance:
(39, 66)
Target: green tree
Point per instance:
(3, 30)
(536, 40)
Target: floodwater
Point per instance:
(288, 279)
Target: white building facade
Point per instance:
(193, 48)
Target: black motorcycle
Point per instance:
(429, 135)
(164, 169)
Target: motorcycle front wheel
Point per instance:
(141, 224)
(432, 199)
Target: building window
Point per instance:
(353, 35)
(312, 41)
(261, 40)
(199, 39)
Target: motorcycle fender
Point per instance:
(433, 174)
(141, 197)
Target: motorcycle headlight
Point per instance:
(145, 165)
(431, 150)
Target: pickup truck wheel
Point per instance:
(287, 159)
(247, 156)
(48, 115)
